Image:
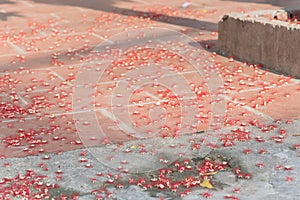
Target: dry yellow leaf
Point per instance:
(206, 184)
(211, 173)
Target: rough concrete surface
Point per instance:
(268, 181)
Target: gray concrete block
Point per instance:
(258, 38)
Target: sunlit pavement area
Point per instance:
(131, 100)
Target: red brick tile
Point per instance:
(73, 30)
(277, 102)
(50, 134)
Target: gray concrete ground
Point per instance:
(268, 181)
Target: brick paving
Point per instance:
(44, 44)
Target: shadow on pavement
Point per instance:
(180, 21)
(6, 2)
(5, 15)
(107, 6)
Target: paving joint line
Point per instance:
(268, 87)
(123, 126)
(152, 96)
(256, 112)
(23, 52)
(18, 49)
(55, 15)
(27, 4)
(23, 100)
(46, 90)
(122, 80)
(3, 95)
(144, 2)
(61, 78)
(16, 120)
(41, 33)
(91, 111)
(102, 38)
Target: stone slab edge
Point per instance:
(256, 39)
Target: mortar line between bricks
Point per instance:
(41, 69)
(88, 111)
(18, 49)
(268, 87)
(102, 38)
(22, 52)
(27, 4)
(100, 83)
(55, 15)
(16, 120)
(46, 90)
(61, 78)
(144, 2)
(62, 88)
(55, 67)
(167, 75)
(250, 109)
(64, 34)
(23, 100)
(42, 33)
(151, 95)
(120, 124)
